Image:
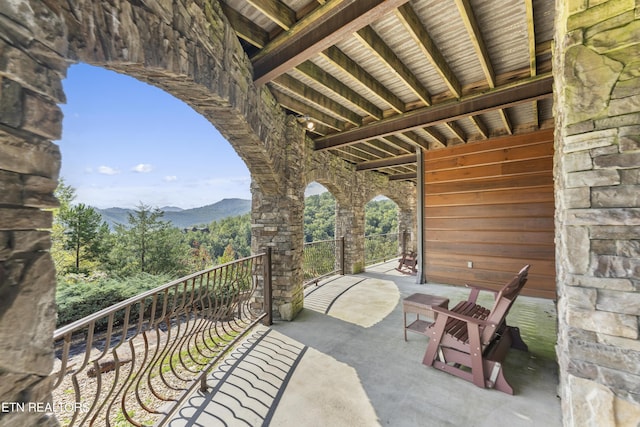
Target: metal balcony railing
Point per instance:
(135, 362)
(322, 258)
(383, 247)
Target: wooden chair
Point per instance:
(471, 342)
(408, 261)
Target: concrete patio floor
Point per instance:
(344, 362)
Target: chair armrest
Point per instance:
(468, 319)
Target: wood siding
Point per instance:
(491, 203)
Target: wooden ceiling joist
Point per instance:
(374, 42)
(246, 29)
(387, 162)
(511, 95)
(318, 74)
(277, 11)
(319, 30)
(411, 21)
(338, 58)
(404, 177)
(318, 98)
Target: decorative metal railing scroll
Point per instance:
(134, 362)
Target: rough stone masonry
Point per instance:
(597, 175)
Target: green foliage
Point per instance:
(78, 296)
(319, 217)
(381, 217)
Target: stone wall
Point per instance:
(597, 175)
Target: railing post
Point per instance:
(268, 303)
(342, 255)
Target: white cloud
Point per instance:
(170, 178)
(107, 170)
(142, 168)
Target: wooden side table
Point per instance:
(420, 304)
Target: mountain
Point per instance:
(183, 218)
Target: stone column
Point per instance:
(407, 223)
(597, 176)
(30, 89)
(350, 225)
(277, 218)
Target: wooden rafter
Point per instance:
(277, 11)
(506, 121)
(469, 19)
(318, 98)
(456, 130)
(319, 30)
(482, 129)
(387, 162)
(404, 177)
(303, 109)
(374, 42)
(416, 140)
(532, 89)
(244, 28)
(339, 59)
(327, 80)
(396, 141)
(411, 21)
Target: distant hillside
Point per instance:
(183, 218)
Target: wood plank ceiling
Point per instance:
(379, 78)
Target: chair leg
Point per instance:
(516, 339)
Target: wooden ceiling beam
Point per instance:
(416, 140)
(319, 30)
(374, 42)
(514, 94)
(386, 147)
(244, 28)
(473, 29)
(421, 37)
(482, 129)
(387, 162)
(436, 137)
(456, 130)
(400, 144)
(403, 177)
(318, 98)
(277, 11)
(342, 61)
(505, 121)
(336, 86)
(303, 109)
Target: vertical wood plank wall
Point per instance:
(491, 204)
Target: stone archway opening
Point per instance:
(322, 251)
(126, 142)
(384, 240)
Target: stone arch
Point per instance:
(162, 46)
(404, 195)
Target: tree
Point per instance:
(83, 231)
(149, 245)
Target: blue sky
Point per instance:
(125, 142)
